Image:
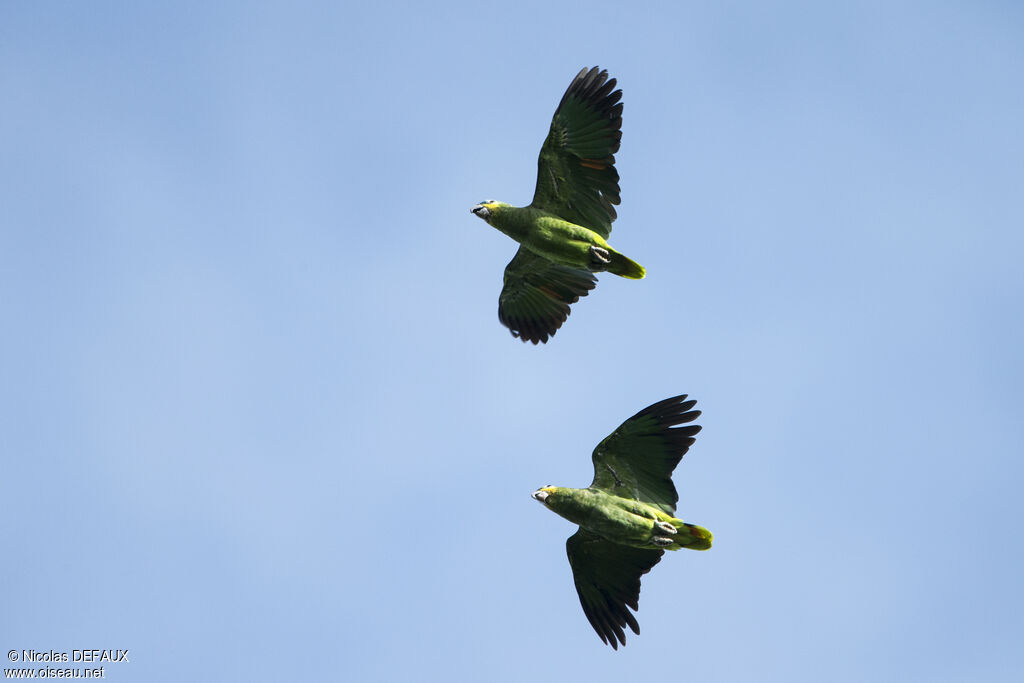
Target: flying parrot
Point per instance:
(627, 515)
(562, 232)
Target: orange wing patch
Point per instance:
(548, 291)
(594, 164)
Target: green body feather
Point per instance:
(558, 240)
(623, 520)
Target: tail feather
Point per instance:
(691, 536)
(625, 267)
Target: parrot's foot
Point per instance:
(665, 527)
(599, 258)
(661, 541)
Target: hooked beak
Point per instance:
(540, 495)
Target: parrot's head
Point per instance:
(485, 209)
(542, 494)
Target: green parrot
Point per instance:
(627, 515)
(562, 232)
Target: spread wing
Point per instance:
(637, 459)
(535, 298)
(576, 176)
(607, 577)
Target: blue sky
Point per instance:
(260, 422)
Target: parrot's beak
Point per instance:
(541, 495)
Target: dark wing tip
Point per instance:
(594, 87)
(672, 411)
(608, 621)
(530, 329)
(537, 326)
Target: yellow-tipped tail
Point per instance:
(692, 536)
(625, 267)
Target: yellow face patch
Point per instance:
(549, 489)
